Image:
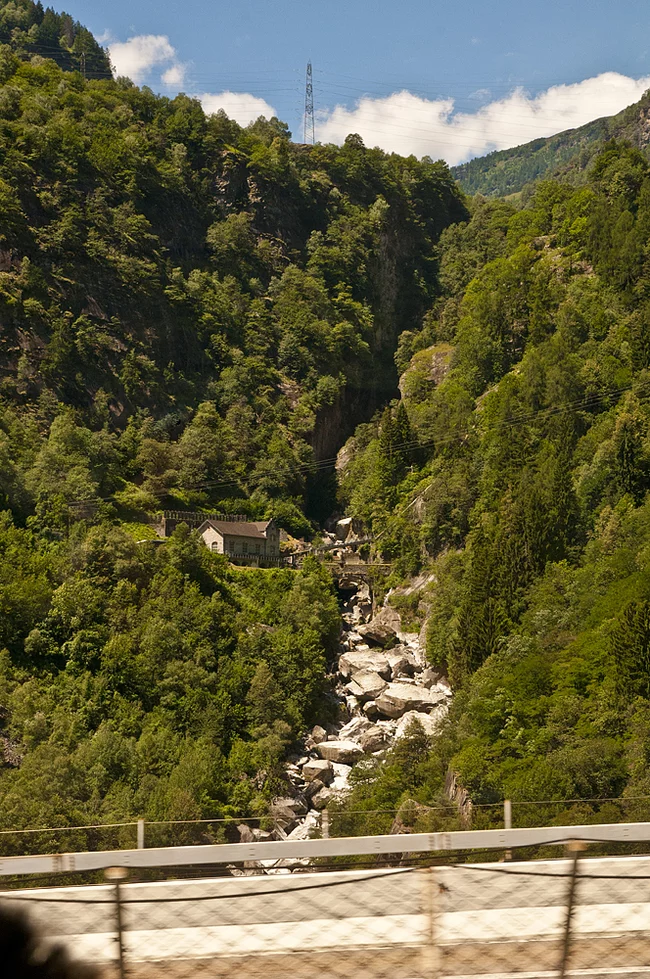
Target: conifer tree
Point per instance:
(630, 647)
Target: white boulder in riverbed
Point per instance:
(354, 728)
(398, 698)
(366, 685)
(341, 778)
(319, 768)
(286, 812)
(318, 734)
(342, 752)
(374, 739)
(402, 662)
(430, 723)
(305, 829)
(364, 659)
(322, 798)
(371, 710)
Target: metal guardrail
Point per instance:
(586, 917)
(235, 853)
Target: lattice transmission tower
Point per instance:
(309, 131)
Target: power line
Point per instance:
(322, 465)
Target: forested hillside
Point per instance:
(566, 156)
(192, 314)
(183, 299)
(519, 482)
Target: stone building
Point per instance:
(256, 543)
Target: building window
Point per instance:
(257, 548)
(244, 547)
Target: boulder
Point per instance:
(382, 630)
(342, 752)
(362, 659)
(377, 633)
(354, 639)
(306, 828)
(284, 817)
(319, 768)
(371, 710)
(402, 662)
(429, 677)
(442, 686)
(341, 778)
(374, 739)
(313, 788)
(246, 834)
(355, 727)
(286, 811)
(322, 798)
(429, 722)
(366, 685)
(343, 527)
(351, 702)
(398, 698)
(318, 734)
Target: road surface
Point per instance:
(482, 920)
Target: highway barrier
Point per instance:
(426, 905)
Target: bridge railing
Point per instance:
(455, 904)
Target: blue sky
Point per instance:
(450, 80)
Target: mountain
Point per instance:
(566, 155)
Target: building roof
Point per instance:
(238, 528)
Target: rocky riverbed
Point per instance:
(382, 683)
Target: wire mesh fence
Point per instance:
(577, 915)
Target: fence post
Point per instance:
(140, 834)
(430, 950)
(575, 847)
(507, 823)
(118, 874)
(325, 824)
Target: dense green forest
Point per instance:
(519, 481)
(566, 156)
(196, 314)
(192, 314)
(182, 300)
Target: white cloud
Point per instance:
(174, 76)
(141, 54)
(405, 123)
(240, 106)
(137, 56)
